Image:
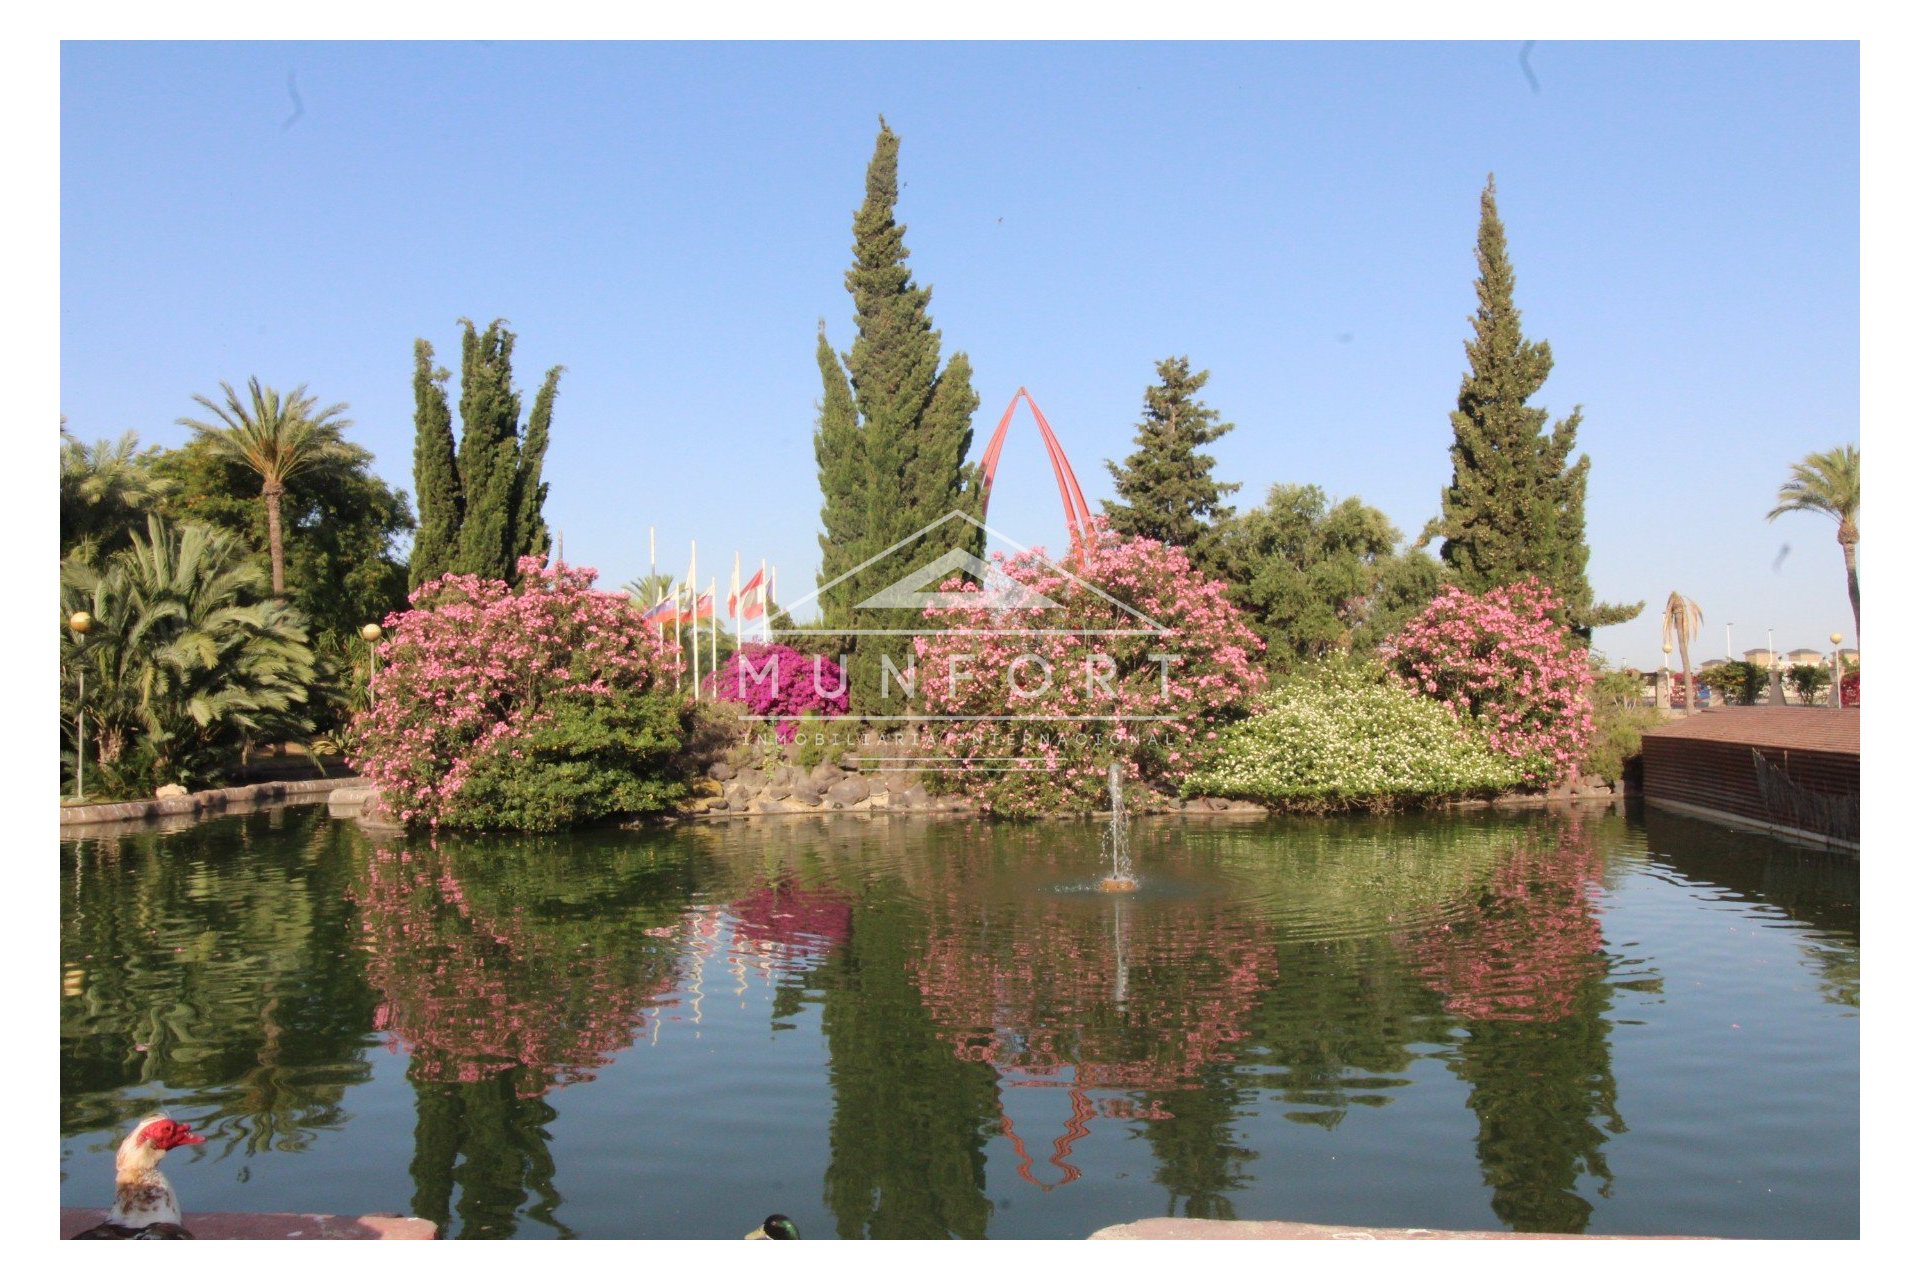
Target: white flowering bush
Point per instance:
(1342, 737)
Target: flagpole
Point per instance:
(693, 565)
(652, 569)
(739, 605)
(713, 636)
(766, 603)
(676, 637)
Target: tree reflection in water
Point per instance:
(1525, 970)
(189, 963)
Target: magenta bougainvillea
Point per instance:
(779, 683)
(1135, 657)
(531, 706)
(1500, 661)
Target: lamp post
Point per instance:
(80, 623)
(1838, 701)
(1666, 681)
(1729, 642)
(371, 633)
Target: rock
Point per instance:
(848, 791)
(375, 816)
(765, 805)
(878, 785)
(720, 771)
(346, 802)
(752, 779)
(850, 762)
(777, 791)
(170, 790)
(900, 780)
(805, 794)
(825, 774)
(914, 797)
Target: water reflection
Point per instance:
(986, 1015)
(192, 968)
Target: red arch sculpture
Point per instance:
(1072, 501)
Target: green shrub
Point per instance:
(1809, 680)
(1741, 684)
(1340, 737)
(596, 755)
(1616, 738)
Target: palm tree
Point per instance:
(276, 439)
(105, 489)
(1681, 622)
(184, 659)
(1830, 484)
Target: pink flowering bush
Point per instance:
(780, 683)
(1176, 663)
(1499, 661)
(528, 707)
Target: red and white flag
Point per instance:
(751, 600)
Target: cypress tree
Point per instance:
(1515, 507)
(913, 421)
(842, 462)
(436, 477)
(530, 534)
(1166, 487)
(489, 449)
(480, 508)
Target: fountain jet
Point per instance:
(1120, 878)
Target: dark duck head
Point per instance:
(778, 1226)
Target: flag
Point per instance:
(701, 608)
(751, 601)
(660, 612)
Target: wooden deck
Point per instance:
(1791, 771)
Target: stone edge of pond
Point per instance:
(1207, 1229)
(276, 1226)
(200, 802)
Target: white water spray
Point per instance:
(1120, 878)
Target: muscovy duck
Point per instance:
(144, 1206)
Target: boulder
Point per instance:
(170, 790)
(345, 802)
(848, 791)
(376, 817)
(720, 771)
(900, 780)
(914, 797)
(878, 785)
(850, 762)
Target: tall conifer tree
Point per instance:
(489, 449)
(480, 507)
(842, 462)
(436, 475)
(1166, 486)
(530, 534)
(912, 418)
(1516, 507)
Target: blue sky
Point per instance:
(671, 221)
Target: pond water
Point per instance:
(1576, 1021)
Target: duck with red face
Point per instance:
(144, 1206)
